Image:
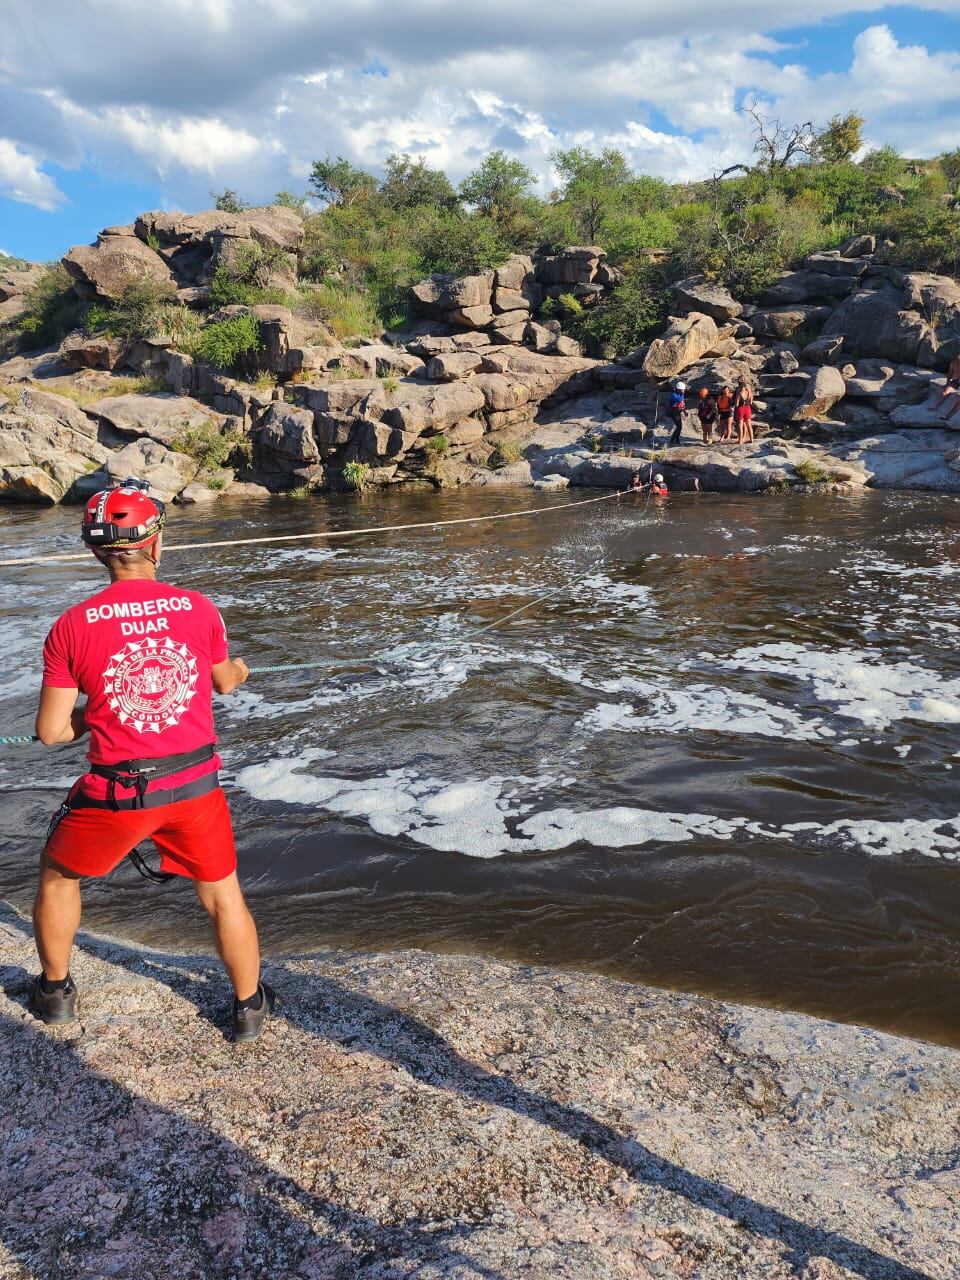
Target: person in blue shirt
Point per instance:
(675, 411)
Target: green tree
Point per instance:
(228, 201)
(498, 187)
(592, 184)
(950, 167)
(287, 200)
(410, 183)
(340, 182)
(841, 139)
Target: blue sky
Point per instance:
(105, 113)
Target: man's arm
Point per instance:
(229, 674)
(59, 719)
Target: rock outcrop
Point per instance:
(102, 271)
(844, 349)
(685, 341)
(46, 445)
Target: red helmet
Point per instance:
(703, 393)
(125, 518)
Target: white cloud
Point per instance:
(220, 92)
(21, 178)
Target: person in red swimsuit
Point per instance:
(743, 403)
(147, 656)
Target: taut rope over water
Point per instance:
(25, 739)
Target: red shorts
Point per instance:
(195, 838)
(744, 413)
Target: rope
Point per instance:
(38, 561)
(24, 739)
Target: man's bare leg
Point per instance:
(234, 931)
(56, 918)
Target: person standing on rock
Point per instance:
(147, 656)
(707, 413)
(675, 410)
(952, 388)
(725, 414)
(743, 406)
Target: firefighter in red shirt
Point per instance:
(148, 657)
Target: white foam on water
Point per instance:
(705, 709)
(623, 826)
(895, 569)
(857, 686)
(468, 817)
(937, 838)
(491, 817)
(627, 595)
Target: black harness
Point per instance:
(136, 775)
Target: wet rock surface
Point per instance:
(441, 1116)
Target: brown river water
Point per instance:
(723, 757)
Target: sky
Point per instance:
(112, 107)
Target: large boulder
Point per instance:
(167, 471)
(543, 376)
(834, 263)
(822, 392)
(858, 246)
(440, 294)
(915, 459)
(81, 350)
(431, 406)
(937, 298)
(285, 453)
(685, 341)
(873, 322)
(46, 445)
(577, 264)
(699, 294)
(782, 324)
(806, 286)
(515, 273)
(194, 245)
(104, 270)
(162, 417)
(16, 281)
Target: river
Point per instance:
(724, 755)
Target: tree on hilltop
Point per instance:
(592, 183)
(498, 187)
(227, 201)
(340, 182)
(410, 184)
(841, 139)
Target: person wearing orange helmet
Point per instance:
(707, 413)
(147, 656)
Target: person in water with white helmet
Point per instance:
(656, 484)
(147, 656)
(675, 409)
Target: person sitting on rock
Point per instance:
(951, 389)
(707, 413)
(675, 411)
(743, 405)
(725, 414)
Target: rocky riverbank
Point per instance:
(847, 356)
(414, 1114)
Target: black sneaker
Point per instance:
(52, 1007)
(248, 1023)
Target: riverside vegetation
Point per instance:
(440, 335)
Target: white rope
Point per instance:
(40, 560)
